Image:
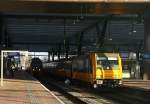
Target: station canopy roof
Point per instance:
(45, 26)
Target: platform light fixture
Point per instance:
(110, 39)
(133, 30)
(74, 22)
(77, 20)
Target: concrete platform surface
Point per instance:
(140, 84)
(24, 89)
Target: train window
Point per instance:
(74, 65)
(80, 65)
(107, 63)
(88, 65)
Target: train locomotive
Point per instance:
(96, 69)
(35, 66)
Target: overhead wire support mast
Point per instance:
(101, 35)
(65, 42)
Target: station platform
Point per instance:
(137, 84)
(24, 89)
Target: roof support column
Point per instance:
(146, 61)
(1, 25)
(67, 49)
(53, 54)
(49, 54)
(2, 33)
(58, 51)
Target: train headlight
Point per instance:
(120, 81)
(117, 76)
(99, 81)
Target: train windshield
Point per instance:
(107, 63)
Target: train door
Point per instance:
(88, 69)
(81, 72)
(74, 68)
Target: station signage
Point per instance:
(146, 56)
(13, 54)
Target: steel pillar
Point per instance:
(2, 33)
(1, 22)
(67, 49)
(101, 34)
(58, 51)
(49, 53)
(146, 61)
(53, 54)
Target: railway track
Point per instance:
(122, 95)
(76, 95)
(61, 93)
(82, 95)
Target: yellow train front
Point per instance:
(107, 69)
(98, 69)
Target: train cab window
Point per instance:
(99, 64)
(107, 63)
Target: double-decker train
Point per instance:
(96, 69)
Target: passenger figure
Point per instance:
(12, 72)
(99, 64)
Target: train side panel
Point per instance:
(81, 67)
